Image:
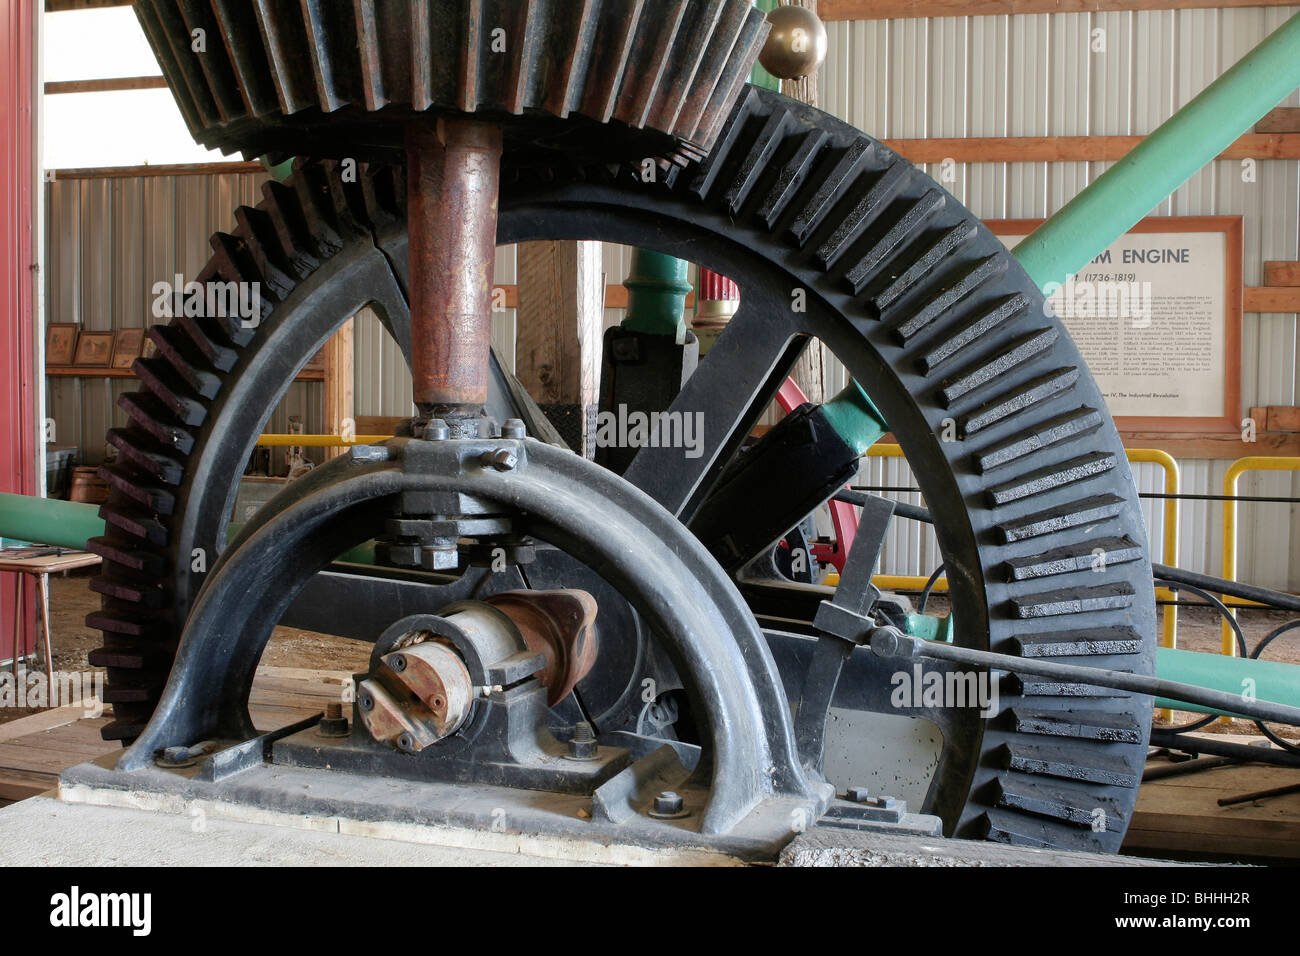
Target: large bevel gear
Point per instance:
(330, 78)
(924, 306)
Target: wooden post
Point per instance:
(558, 323)
(338, 360)
(810, 371)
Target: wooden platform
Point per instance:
(1181, 814)
(35, 749)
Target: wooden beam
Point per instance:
(338, 366)
(56, 87)
(1283, 119)
(1218, 447)
(1282, 273)
(178, 169)
(926, 9)
(64, 6)
(1073, 149)
(1258, 298)
(559, 317)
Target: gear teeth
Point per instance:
(1042, 480)
(709, 170)
(184, 62)
(116, 622)
(139, 489)
(973, 330)
(162, 51)
(143, 525)
(868, 208)
(1092, 642)
(282, 205)
(730, 80)
(1082, 557)
(931, 258)
(858, 154)
(654, 38)
(1022, 350)
(143, 451)
(1048, 762)
(1023, 396)
(250, 70)
(617, 26)
(792, 176)
(1080, 723)
(136, 559)
(218, 74)
(1105, 597)
(1070, 425)
(911, 222)
(730, 30)
(756, 161)
(957, 287)
(1086, 511)
(681, 61)
(148, 412)
(1067, 803)
(257, 231)
(284, 40)
(1029, 686)
(147, 595)
(205, 339)
(158, 377)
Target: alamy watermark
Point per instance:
(33, 689)
(232, 300)
(624, 428)
(1100, 296)
(954, 689)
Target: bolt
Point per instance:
(406, 742)
(582, 746)
(858, 794)
(439, 558)
(436, 430)
(503, 459)
(368, 453)
(397, 662)
(890, 803)
(333, 724)
(513, 428)
(669, 803)
(366, 702)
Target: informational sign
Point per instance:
(1157, 317)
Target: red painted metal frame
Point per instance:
(844, 516)
(18, 277)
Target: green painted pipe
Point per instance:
(1264, 680)
(64, 524)
(1165, 160)
(855, 418)
(656, 295)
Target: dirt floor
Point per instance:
(71, 600)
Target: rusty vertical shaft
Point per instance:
(453, 176)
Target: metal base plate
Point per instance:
(477, 815)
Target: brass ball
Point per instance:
(796, 45)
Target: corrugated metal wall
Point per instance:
(107, 242)
(1039, 76)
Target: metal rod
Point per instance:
(453, 180)
(891, 642)
(1166, 159)
(1259, 795)
(1188, 767)
(1222, 748)
(1277, 599)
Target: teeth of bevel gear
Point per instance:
(332, 78)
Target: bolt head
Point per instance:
(513, 428)
(436, 430)
(668, 803)
(858, 794)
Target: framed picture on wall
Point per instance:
(127, 344)
(94, 349)
(60, 342)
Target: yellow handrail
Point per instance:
(317, 441)
(1235, 471)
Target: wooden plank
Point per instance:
(62, 6)
(1217, 447)
(338, 369)
(379, 424)
(304, 673)
(559, 320)
(1072, 149)
(176, 169)
(1261, 298)
(11, 792)
(1282, 418)
(1282, 119)
(926, 9)
(73, 371)
(45, 720)
(56, 87)
(1282, 273)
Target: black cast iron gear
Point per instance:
(338, 79)
(926, 308)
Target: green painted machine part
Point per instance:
(1262, 680)
(656, 295)
(1166, 159)
(63, 524)
(855, 418)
